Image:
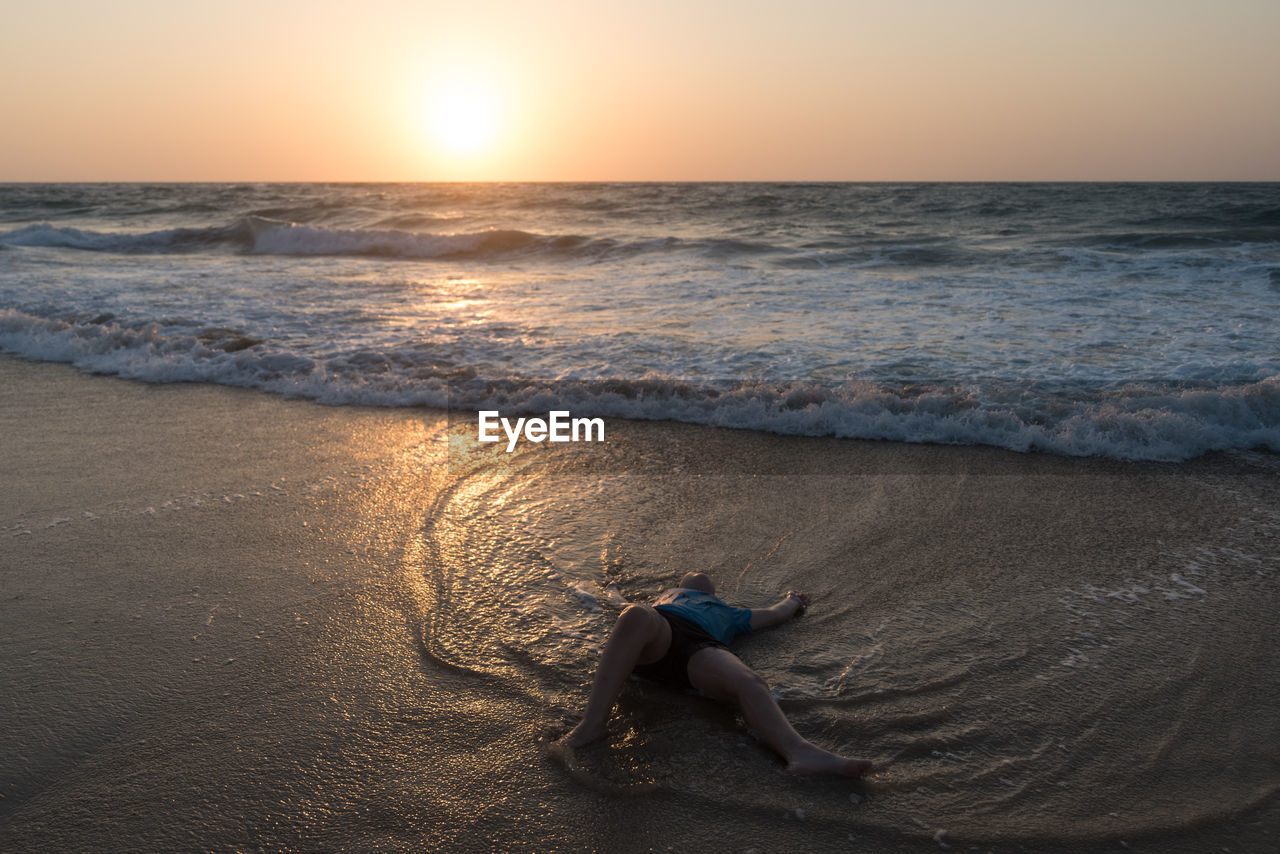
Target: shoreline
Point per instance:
(224, 632)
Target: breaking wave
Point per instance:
(261, 236)
(1161, 421)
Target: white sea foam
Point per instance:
(1135, 422)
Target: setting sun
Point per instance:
(463, 116)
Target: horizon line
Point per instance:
(160, 181)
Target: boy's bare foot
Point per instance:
(581, 735)
(815, 760)
(562, 751)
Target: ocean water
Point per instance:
(1132, 321)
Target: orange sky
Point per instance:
(816, 90)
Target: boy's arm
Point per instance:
(793, 605)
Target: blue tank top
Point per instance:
(721, 620)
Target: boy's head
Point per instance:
(698, 581)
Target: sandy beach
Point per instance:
(230, 621)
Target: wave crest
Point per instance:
(1140, 421)
(262, 236)
(258, 235)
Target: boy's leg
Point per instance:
(641, 636)
(721, 675)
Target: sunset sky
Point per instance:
(557, 90)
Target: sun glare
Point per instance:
(463, 116)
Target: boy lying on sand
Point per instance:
(681, 640)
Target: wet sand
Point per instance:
(231, 621)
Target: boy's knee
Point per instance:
(638, 615)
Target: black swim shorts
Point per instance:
(687, 637)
